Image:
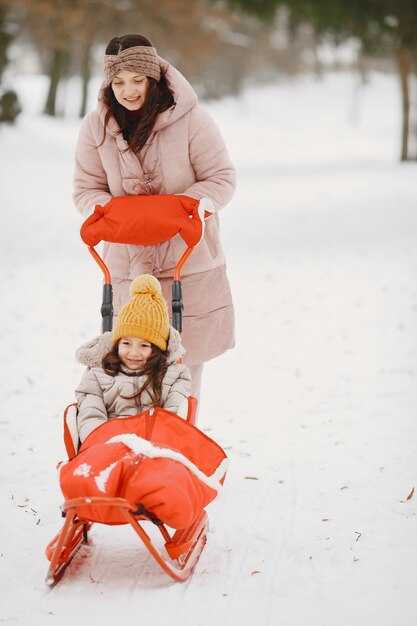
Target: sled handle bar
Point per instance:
(107, 299)
(101, 264)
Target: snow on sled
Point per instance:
(154, 467)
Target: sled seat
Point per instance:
(72, 442)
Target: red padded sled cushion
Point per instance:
(167, 488)
(144, 220)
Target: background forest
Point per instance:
(220, 46)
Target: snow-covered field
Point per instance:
(316, 405)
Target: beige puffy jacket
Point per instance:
(100, 395)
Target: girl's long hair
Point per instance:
(154, 372)
(136, 129)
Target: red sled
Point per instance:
(152, 468)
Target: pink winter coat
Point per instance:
(186, 155)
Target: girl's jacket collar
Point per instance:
(92, 352)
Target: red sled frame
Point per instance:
(183, 546)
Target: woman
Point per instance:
(149, 135)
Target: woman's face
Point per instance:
(134, 352)
(130, 89)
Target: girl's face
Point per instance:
(130, 89)
(134, 352)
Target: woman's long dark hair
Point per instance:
(154, 370)
(136, 129)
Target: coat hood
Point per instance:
(185, 98)
(92, 352)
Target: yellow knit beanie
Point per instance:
(146, 313)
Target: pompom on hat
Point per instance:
(142, 60)
(146, 313)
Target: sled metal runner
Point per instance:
(182, 547)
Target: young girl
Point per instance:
(149, 135)
(135, 368)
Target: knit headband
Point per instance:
(140, 59)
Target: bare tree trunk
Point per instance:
(56, 72)
(85, 76)
(404, 63)
(5, 40)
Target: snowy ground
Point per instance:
(316, 406)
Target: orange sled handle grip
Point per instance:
(101, 264)
(107, 299)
